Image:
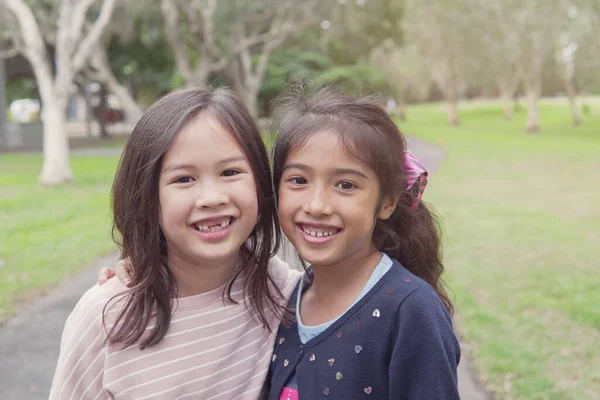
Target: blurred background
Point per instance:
(503, 97)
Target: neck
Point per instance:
(350, 274)
(196, 278)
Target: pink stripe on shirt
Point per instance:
(212, 350)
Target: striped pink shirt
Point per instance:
(212, 350)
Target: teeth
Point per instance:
(318, 233)
(213, 228)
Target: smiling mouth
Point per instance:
(214, 225)
(318, 231)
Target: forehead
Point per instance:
(326, 149)
(201, 141)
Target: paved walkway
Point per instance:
(29, 343)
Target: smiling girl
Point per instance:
(194, 214)
(372, 316)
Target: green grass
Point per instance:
(522, 245)
(50, 233)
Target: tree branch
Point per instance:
(169, 12)
(34, 48)
(80, 17)
(208, 13)
(8, 53)
(87, 45)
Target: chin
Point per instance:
(318, 260)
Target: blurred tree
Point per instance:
(207, 36)
(541, 22)
(356, 27)
(62, 24)
(440, 30)
(577, 55)
(276, 21)
(498, 47)
(299, 60)
(131, 49)
(405, 72)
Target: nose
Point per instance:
(318, 204)
(210, 195)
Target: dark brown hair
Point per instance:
(410, 236)
(136, 206)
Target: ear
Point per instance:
(388, 205)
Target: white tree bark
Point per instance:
(567, 72)
(200, 16)
(533, 115)
(257, 28)
(437, 29)
(101, 72)
(289, 18)
(533, 87)
(507, 84)
(72, 50)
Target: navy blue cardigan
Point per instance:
(396, 343)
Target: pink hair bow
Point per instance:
(416, 174)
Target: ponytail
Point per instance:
(412, 236)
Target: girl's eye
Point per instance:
(346, 185)
(184, 179)
(297, 181)
(230, 172)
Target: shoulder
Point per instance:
(285, 278)
(412, 297)
(81, 361)
(92, 305)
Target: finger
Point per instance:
(104, 275)
(124, 271)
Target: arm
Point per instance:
(79, 373)
(426, 353)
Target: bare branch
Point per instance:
(9, 52)
(80, 16)
(169, 12)
(87, 44)
(34, 48)
(208, 13)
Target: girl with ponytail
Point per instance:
(372, 317)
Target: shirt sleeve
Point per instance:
(284, 276)
(79, 373)
(426, 353)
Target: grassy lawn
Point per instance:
(522, 234)
(49, 233)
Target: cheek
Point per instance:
(172, 206)
(286, 202)
(247, 196)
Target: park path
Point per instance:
(29, 342)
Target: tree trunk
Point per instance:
(532, 110)
(199, 78)
(572, 94)
(453, 112)
(401, 107)
(448, 82)
(56, 168)
(101, 113)
(251, 97)
(507, 104)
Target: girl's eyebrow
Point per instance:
(232, 159)
(336, 171)
(177, 167)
